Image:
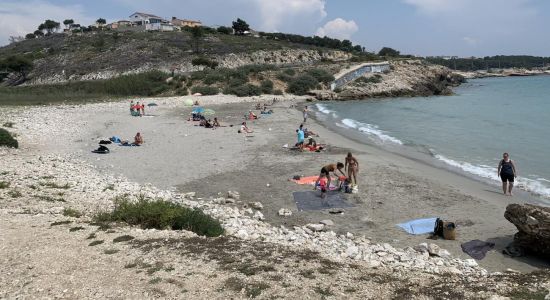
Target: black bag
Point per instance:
(438, 228)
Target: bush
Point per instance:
(160, 214)
(267, 86)
(7, 140)
(243, 90)
(225, 30)
(302, 84)
(182, 91)
(289, 72)
(213, 78)
(205, 90)
(277, 92)
(284, 77)
(255, 68)
(203, 61)
(371, 79)
(321, 75)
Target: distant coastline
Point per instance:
(501, 73)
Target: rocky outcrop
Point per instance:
(71, 67)
(405, 79)
(533, 223)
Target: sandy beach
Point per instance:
(179, 157)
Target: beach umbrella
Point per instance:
(152, 104)
(198, 110)
(208, 112)
(188, 102)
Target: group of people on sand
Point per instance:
(137, 109)
(209, 123)
(351, 166)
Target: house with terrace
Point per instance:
(151, 22)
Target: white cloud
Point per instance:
(338, 28)
(276, 13)
(435, 6)
(18, 18)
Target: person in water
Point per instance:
(352, 166)
(507, 173)
(325, 171)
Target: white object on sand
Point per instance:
(285, 146)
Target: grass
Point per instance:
(323, 291)
(54, 185)
(4, 184)
(15, 194)
(78, 228)
(91, 236)
(123, 238)
(8, 124)
(70, 212)
(50, 199)
(60, 223)
(110, 251)
(160, 214)
(155, 280)
(94, 243)
(110, 187)
(6, 138)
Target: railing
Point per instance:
(349, 75)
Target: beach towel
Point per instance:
(311, 181)
(419, 226)
(311, 200)
(129, 145)
(477, 249)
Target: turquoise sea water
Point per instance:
(468, 131)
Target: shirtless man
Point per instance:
(352, 166)
(138, 139)
(325, 171)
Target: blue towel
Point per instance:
(419, 226)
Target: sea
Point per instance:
(467, 132)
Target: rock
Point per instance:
(433, 249)
(233, 195)
(349, 235)
(423, 247)
(327, 222)
(229, 200)
(242, 234)
(470, 263)
(533, 223)
(374, 263)
(498, 297)
(256, 205)
(285, 212)
(258, 216)
(315, 227)
(189, 195)
(444, 253)
(352, 252)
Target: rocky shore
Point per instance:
(48, 251)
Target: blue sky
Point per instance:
(420, 27)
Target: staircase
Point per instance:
(350, 74)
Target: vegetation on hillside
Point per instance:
(7, 139)
(492, 62)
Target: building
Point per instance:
(159, 27)
(138, 18)
(185, 23)
(119, 24)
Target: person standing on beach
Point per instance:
(305, 113)
(352, 166)
(507, 172)
(301, 139)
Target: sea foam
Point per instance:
(370, 129)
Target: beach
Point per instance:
(179, 157)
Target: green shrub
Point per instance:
(256, 68)
(302, 84)
(160, 214)
(267, 86)
(225, 30)
(213, 78)
(204, 61)
(371, 79)
(321, 75)
(205, 90)
(277, 92)
(243, 90)
(7, 140)
(289, 72)
(182, 91)
(284, 77)
(70, 212)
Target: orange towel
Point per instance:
(306, 180)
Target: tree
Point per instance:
(38, 33)
(386, 51)
(68, 23)
(17, 64)
(240, 26)
(197, 34)
(30, 36)
(225, 30)
(50, 26)
(101, 21)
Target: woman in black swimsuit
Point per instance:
(507, 172)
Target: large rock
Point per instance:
(533, 223)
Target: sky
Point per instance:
(419, 27)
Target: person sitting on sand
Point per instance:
(507, 173)
(312, 146)
(245, 129)
(258, 106)
(216, 123)
(266, 112)
(251, 115)
(138, 139)
(325, 171)
(352, 166)
(196, 103)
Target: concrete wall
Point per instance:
(350, 75)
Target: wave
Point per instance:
(370, 130)
(530, 185)
(324, 110)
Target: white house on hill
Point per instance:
(151, 22)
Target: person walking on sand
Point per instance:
(507, 173)
(325, 171)
(352, 166)
(305, 113)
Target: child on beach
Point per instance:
(325, 171)
(323, 185)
